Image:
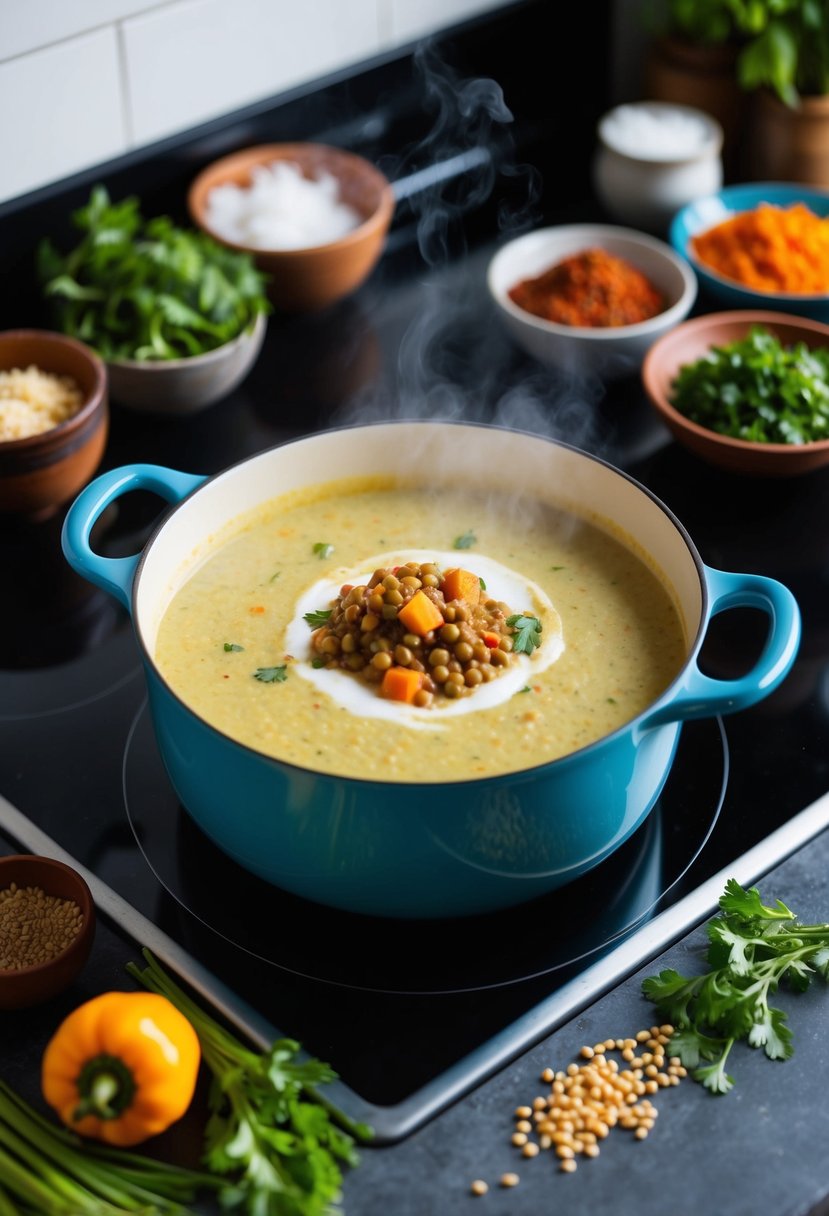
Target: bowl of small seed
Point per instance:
(47, 924)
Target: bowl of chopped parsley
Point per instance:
(747, 391)
(178, 319)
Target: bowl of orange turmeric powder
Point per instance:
(762, 245)
(590, 299)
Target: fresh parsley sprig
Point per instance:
(527, 632)
(753, 948)
(277, 1144)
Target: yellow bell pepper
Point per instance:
(122, 1067)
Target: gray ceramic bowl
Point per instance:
(610, 353)
(184, 386)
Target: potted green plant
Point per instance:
(784, 63)
(692, 60)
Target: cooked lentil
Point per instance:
(367, 633)
(35, 927)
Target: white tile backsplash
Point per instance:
(100, 77)
(63, 111)
(26, 25)
(198, 59)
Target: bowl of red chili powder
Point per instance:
(590, 299)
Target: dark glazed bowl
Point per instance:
(312, 278)
(41, 472)
(693, 339)
(32, 985)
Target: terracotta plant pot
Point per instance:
(702, 76)
(789, 143)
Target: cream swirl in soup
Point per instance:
(235, 642)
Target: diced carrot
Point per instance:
(420, 615)
(401, 684)
(461, 585)
(491, 639)
(256, 609)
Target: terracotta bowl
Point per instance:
(29, 986)
(41, 472)
(308, 279)
(690, 341)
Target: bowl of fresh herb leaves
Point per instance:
(178, 319)
(747, 391)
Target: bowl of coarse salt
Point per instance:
(314, 217)
(47, 926)
(653, 158)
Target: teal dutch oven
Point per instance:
(422, 849)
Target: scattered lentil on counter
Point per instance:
(586, 1101)
(35, 927)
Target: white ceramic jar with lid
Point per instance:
(653, 158)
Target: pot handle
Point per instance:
(699, 696)
(115, 574)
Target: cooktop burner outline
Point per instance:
(641, 876)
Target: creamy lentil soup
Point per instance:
(235, 641)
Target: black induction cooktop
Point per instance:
(78, 757)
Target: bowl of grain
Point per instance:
(47, 925)
(54, 419)
(314, 217)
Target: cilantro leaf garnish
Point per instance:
(465, 541)
(483, 583)
(527, 636)
(319, 661)
(317, 618)
(753, 948)
(272, 675)
(322, 549)
(232, 648)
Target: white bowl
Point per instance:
(184, 386)
(609, 352)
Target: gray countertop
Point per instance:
(758, 1151)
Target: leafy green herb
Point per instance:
(274, 577)
(272, 675)
(323, 550)
(317, 618)
(483, 584)
(466, 541)
(45, 1168)
(319, 661)
(556, 567)
(526, 688)
(278, 1146)
(232, 648)
(145, 289)
(527, 636)
(758, 390)
(753, 948)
